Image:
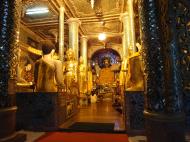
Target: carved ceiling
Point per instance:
(103, 18)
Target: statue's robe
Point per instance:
(106, 76)
(135, 76)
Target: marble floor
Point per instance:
(100, 112)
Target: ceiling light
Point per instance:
(37, 10)
(91, 3)
(102, 36)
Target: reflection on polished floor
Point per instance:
(100, 112)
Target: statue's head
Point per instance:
(106, 62)
(96, 62)
(48, 48)
(70, 54)
(28, 67)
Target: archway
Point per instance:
(110, 53)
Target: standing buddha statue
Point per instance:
(82, 77)
(70, 72)
(135, 75)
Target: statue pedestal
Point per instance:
(44, 111)
(7, 123)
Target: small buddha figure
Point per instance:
(24, 68)
(90, 80)
(135, 77)
(97, 69)
(27, 73)
(48, 75)
(71, 69)
(122, 75)
(123, 72)
(82, 77)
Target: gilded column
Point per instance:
(73, 35)
(83, 50)
(10, 13)
(132, 26)
(61, 33)
(163, 97)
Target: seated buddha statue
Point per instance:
(48, 75)
(106, 75)
(70, 71)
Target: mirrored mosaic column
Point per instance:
(164, 117)
(10, 14)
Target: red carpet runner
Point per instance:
(82, 137)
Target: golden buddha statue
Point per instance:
(70, 70)
(48, 75)
(90, 80)
(97, 68)
(123, 71)
(106, 75)
(135, 77)
(82, 77)
(122, 75)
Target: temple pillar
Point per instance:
(125, 48)
(73, 35)
(126, 37)
(61, 33)
(83, 50)
(132, 26)
(164, 117)
(9, 48)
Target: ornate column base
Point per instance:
(134, 106)
(7, 123)
(162, 127)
